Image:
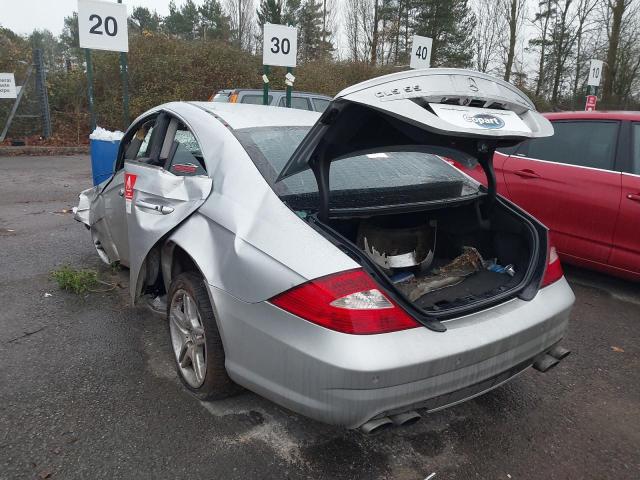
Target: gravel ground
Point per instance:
(88, 388)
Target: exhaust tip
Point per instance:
(559, 352)
(405, 419)
(545, 363)
(376, 425)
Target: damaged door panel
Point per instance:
(158, 197)
(96, 210)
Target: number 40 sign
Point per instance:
(103, 25)
(279, 45)
(421, 52)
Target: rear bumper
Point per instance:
(349, 379)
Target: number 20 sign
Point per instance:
(103, 26)
(279, 45)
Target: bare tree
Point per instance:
(359, 19)
(562, 41)
(583, 14)
(513, 13)
(242, 22)
(541, 21)
(375, 36)
(614, 13)
(489, 35)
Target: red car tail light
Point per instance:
(554, 271)
(347, 302)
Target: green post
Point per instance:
(265, 86)
(124, 75)
(87, 56)
(289, 88)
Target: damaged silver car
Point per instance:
(338, 264)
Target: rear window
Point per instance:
(372, 178)
(321, 104)
(301, 103)
(585, 143)
(221, 97)
(254, 99)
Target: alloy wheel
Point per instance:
(188, 338)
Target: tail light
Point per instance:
(233, 98)
(347, 302)
(554, 271)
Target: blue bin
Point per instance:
(103, 157)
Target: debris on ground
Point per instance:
(25, 335)
(617, 349)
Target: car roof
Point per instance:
(259, 90)
(242, 115)
(595, 115)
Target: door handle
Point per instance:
(163, 209)
(526, 173)
(634, 196)
(121, 192)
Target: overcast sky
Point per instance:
(23, 16)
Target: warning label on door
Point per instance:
(129, 185)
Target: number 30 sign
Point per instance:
(279, 45)
(103, 25)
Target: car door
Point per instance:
(135, 145)
(567, 181)
(103, 207)
(626, 243)
(162, 190)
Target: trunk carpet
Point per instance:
(481, 284)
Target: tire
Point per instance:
(200, 346)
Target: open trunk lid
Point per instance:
(449, 110)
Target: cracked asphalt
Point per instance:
(88, 388)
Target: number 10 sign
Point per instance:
(103, 26)
(279, 45)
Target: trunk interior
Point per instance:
(448, 257)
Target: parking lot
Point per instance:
(88, 387)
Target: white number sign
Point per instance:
(279, 45)
(421, 52)
(595, 73)
(103, 25)
(8, 86)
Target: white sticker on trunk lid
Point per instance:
(480, 118)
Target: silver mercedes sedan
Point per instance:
(338, 264)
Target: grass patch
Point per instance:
(75, 280)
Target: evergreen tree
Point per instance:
(182, 22)
(69, 40)
(450, 23)
(310, 41)
(213, 22)
(269, 11)
(52, 49)
(142, 20)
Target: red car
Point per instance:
(584, 184)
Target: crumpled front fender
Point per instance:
(83, 212)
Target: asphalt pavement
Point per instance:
(88, 388)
